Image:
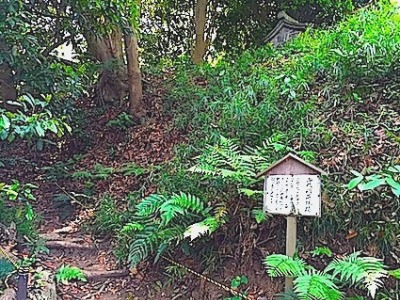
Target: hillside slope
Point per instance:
(333, 94)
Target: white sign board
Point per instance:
(298, 195)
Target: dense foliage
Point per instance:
(320, 95)
(330, 96)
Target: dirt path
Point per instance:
(64, 220)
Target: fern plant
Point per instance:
(353, 270)
(161, 222)
(227, 161)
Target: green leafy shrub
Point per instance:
(67, 273)
(31, 120)
(20, 212)
(320, 251)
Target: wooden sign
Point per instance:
(292, 187)
(298, 195)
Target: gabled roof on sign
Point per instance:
(284, 20)
(295, 157)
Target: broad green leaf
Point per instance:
(244, 279)
(12, 195)
(29, 212)
(236, 282)
(6, 122)
(53, 127)
(259, 215)
(394, 185)
(3, 134)
(249, 192)
(395, 273)
(354, 182)
(40, 131)
(370, 185)
(358, 174)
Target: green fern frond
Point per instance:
(188, 202)
(132, 227)
(316, 286)
(207, 226)
(143, 245)
(204, 168)
(149, 205)
(220, 213)
(212, 223)
(169, 211)
(354, 268)
(225, 160)
(153, 240)
(282, 265)
(373, 281)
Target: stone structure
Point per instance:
(285, 29)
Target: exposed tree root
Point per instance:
(99, 275)
(68, 245)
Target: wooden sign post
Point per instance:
(292, 187)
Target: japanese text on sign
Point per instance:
(293, 195)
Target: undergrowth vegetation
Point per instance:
(330, 95)
(368, 273)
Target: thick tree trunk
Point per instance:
(108, 50)
(8, 91)
(134, 75)
(200, 45)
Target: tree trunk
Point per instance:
(108, 50)
(134, 75)
(200, 45)
(8, 91)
